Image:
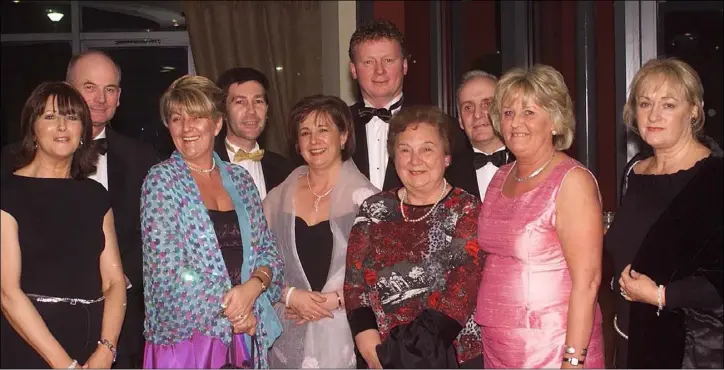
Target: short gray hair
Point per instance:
(469, 76)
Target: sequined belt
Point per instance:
(73, 301)
(618, 330)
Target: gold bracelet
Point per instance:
(264, 272)
(263, 286)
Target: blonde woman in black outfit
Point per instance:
(666, 240)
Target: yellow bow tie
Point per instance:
(241, 155)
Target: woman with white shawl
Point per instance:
(311, 215)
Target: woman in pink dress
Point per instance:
(541, 226)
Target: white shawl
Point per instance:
(326, 343)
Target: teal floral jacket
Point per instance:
(184, 274)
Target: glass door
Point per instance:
(148, 68)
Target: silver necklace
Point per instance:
(404, 199)
(534, 173)
(203, 170)
(319, 197)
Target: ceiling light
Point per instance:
(279, 68)
(55, 16)
(165, 69)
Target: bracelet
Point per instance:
(339, 300)
(289, 293)
(110, 346)
(574, 361)
(73, 364)
(265, 274)
(660, 299)
(263, 286)
(569, 350)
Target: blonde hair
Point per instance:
(679, 75)
(546, 87)
(196, 95)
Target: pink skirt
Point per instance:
(199, 352)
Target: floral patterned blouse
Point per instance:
(398, 269)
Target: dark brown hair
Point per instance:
(375, 30)
(240, 75)
(413, 116)
(333, 108)
(69, 101)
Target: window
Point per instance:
(148, 40)
(35, 17)
(24, 66)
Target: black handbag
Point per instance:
(231, 357)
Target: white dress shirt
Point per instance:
(253, 167)
(101, 174)
(377, 130)
(485, 174)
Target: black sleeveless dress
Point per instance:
(60, 232)
(314, 248)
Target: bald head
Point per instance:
(98, 79)
(94, 56)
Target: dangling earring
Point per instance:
(81, 142)
(554, 133)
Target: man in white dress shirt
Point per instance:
(474, 96)
(122, 166)
(378, 61)
(245, 109)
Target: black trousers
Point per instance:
(130, 341)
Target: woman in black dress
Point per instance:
(666, 240)
(311, 214)
(63, 291)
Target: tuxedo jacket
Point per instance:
(128, 162)
(458, 144)
(275, 167)
(462, 173)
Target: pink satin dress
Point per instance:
(525, 288)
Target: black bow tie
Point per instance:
(498, 159)
(102, 145)
(366, 113)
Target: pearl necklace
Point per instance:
(404, 199)
(534, 173)
(319, 197)
(202, 170)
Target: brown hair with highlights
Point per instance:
(330, 107)
(415, 115)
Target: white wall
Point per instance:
(339, 21)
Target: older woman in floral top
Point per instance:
(413, 263)
(210, 266)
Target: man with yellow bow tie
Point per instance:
(245, 108)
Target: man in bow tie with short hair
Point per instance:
(474, 95)
(378, 61)
(245, 109)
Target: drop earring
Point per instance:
(554, 133)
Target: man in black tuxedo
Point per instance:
(245, 110)
(122, 167)
(378, 61)
(474, 173)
